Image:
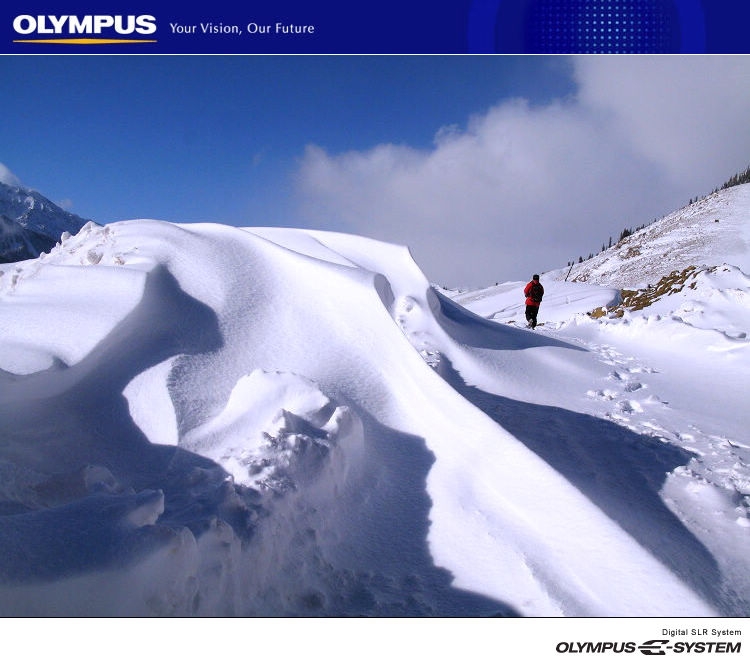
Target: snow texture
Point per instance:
(205, 420)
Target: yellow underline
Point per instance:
(83, 41)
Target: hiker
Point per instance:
(534, 292)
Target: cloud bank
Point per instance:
(523, 189)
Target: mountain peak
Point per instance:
(30, 223)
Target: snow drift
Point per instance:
(207, 420)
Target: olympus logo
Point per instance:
(56, 27)
(652, 648)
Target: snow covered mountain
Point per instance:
(204, 420)
(712, 231)
(31, 224)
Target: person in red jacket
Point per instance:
(534, 292)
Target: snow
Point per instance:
(206, 420)
(709, 232)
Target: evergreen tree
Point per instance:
(738, 179)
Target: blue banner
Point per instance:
(386, 27)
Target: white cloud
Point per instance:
(8, 177)
(522, 189)
(688, 114)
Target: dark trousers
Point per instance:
(531, 313)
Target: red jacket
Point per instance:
(527, 292)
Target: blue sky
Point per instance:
(219, 138)
(489, 168)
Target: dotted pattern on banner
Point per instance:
(602, 26)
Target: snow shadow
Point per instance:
(86, 467)
(470, 329)
(366, 553)
(400, 518)
(620, 471)
(71, 416)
